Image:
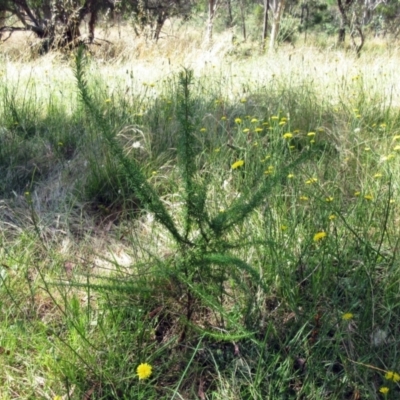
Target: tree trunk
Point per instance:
(212, 5)
(367, 12)
(304, 19)
(279, 6)
(265, 23)
(92, 24)
(230, 16)
(243, 17)
(159, 24)
(344, 6)
(2, 20)
(358, 34)
(341, 34)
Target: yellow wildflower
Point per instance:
(392, 376)
(347, 316)
(258, 130)
(223, 118)
(290, 176)
(269, 171)
(384, 390)
(274, 118)
(203, 130)
(368, 197)
(303, 198)
(319, 236)
(237, 164)
(389, 375)
(311, 134)
(107, 100)
(238, 120)
(254, 121)
(332, 217)
(311, 180)
(144, 371)
(328, 199)
(246, 130)
(288, 135)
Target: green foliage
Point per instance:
(262, 262)
(30, 144)
(196, 252)
(144, 192)
(288, 30)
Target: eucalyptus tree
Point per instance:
(56, 22)
(278, 7)
(154, 13)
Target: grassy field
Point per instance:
(224, 219)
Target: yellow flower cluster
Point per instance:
(269, 171)
(392, 376)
